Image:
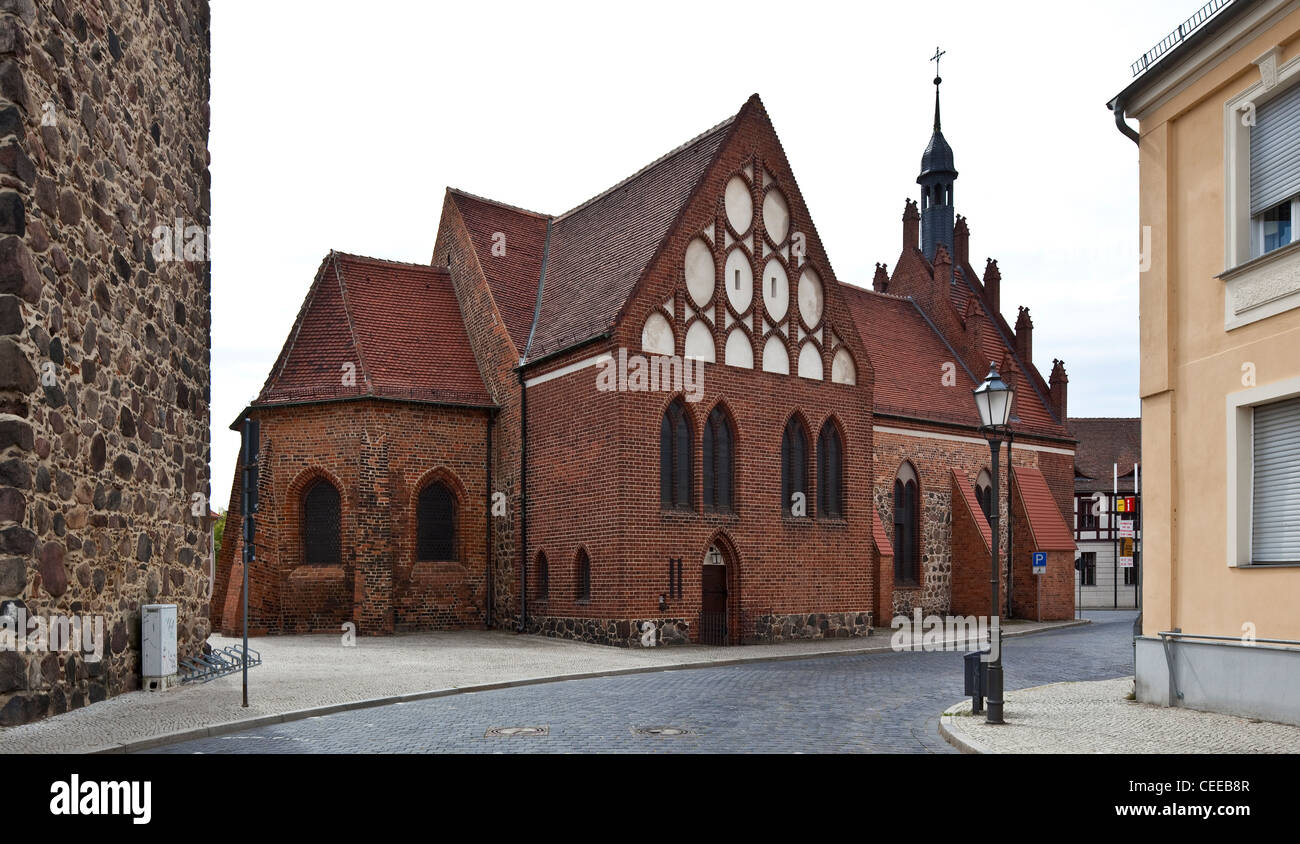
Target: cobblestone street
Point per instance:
(887, 702)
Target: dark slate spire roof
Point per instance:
(938, 155)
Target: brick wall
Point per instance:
(104, 346)
(594, 456)
(379, 455)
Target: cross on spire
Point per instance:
(938, 54)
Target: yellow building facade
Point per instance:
(1218, 113)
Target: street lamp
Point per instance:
(993, 401)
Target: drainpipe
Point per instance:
(523, 503)
(1120, 123)
(488, 534)
(1011, 439)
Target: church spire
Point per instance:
(936, 180)
(938, 54)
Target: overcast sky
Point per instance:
(338, 125)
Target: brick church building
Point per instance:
(660, 406)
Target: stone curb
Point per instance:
(241, 725)
(948, 729)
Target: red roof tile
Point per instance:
(909, 358)
(883, 545)
(513, 268)
(966, 490)
(600, 249)
(1103, 442)
(1048, 529)
(395, 328)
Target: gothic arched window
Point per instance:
(984, 491)
(436, 523)
(830, 472)
(320, 524)
(675, 458)
(584, 576)
(542, 578)
(907, 519)
(718, 462)
(794, 467)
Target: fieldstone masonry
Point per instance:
(104, 341)
(834, 625)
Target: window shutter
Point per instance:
(1275, 509)
(1275, 151)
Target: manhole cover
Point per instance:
(517, 731)
(662, 731)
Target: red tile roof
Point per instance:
(596, 254)
(1046, 525)
(1104, 442)
(966, 490)
(883, 545)
(395, 328)
(909, 358)
(513, 270)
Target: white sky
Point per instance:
(338, 125)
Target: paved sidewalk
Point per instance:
(1097, 717)
(302, 675)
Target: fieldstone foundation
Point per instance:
(620, 633)
(834, 625)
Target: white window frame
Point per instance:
(1257, 231)
(1256, 285)
(1241, 464)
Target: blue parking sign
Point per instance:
(1040, 562)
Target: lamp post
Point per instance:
(993, 401)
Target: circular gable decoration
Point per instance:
(739, 203)
(843, 370)
(657, 335)
(775, 356)
(739, 279)
(700, 271)
(776, 290)
(810, 362)
(699, 342)
(810, 297)
(776, 216)
(740, 351)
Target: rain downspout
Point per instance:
(523, 440)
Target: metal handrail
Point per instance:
(1172, 634)
(1174, 38)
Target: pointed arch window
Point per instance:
(719, 461)
(984, 491)
(907, 518)
(675, 458)
(830, 472)
(542, 589)
(435, 523)
(794, 467)
(320, 524)
(584, 576)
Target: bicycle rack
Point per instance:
(218, 663)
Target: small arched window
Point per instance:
(584, 576)
(542, 578)
(830, 472)
(436, 523)
(320, 524)
(984, 492)
(718, 462)
(907, 558)
(675, 458)
(794, 468)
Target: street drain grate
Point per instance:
(507, 732)
(665, 732)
